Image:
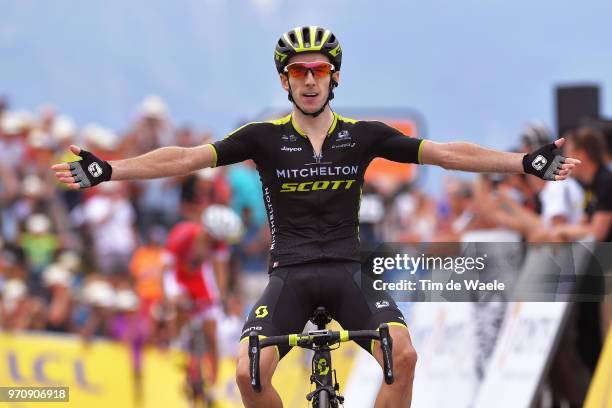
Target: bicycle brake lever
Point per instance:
(254, 352)
(386, 345)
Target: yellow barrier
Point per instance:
(600, 392)
(100, 374)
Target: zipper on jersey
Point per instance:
(318, 156)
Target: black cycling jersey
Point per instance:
(312, 200)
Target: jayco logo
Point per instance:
(291, 149)
(539, 162)
(95, 169)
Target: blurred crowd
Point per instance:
(94, 262)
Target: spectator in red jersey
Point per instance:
(194, 255)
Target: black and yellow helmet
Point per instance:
(307, 39)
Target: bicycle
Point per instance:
(192, 341)
(323, 376)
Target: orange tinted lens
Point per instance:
(297, 70)
(321, 70)
(318, 69)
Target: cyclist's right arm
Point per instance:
(162, 162)
(174, 161)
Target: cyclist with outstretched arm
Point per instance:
(312, 164)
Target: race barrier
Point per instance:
(99, 374)
(600, 392)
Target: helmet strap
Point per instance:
(330, 96)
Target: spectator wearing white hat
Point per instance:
(153, 128)
(70, 260)
(34, 194)
(39, 152)
(130, 329)
(110, 219)
(57, 279)
(14, 128)
(158, 199)
(101, 141)
(92, 315)
(17, 310)
(39, 244)
(64, 132)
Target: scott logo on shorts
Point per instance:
(261, 311)
(95, 169)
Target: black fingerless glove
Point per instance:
(544, 162)
(90, 171)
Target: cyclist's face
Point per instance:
(309, 92)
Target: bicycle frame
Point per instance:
(323, 376)
(326, 385)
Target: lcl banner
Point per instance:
(98, 373)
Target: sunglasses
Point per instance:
(319, 69)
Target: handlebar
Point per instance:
(320, 338)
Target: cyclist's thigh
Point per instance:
(351, 307)
(283, 308)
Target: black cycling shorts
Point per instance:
(295, 291)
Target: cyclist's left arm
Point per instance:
(545, 162)
(470, 157)
(393, 145)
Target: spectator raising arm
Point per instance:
(163, 162)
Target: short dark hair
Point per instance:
(604, 126)
(589, 140)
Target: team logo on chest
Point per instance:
(291, 149)
(343, 136)
(289, 138)
(345, 140)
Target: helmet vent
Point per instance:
(293, 39)
(281, 43)
(319, 37)
(332, 39)
(306, 36)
